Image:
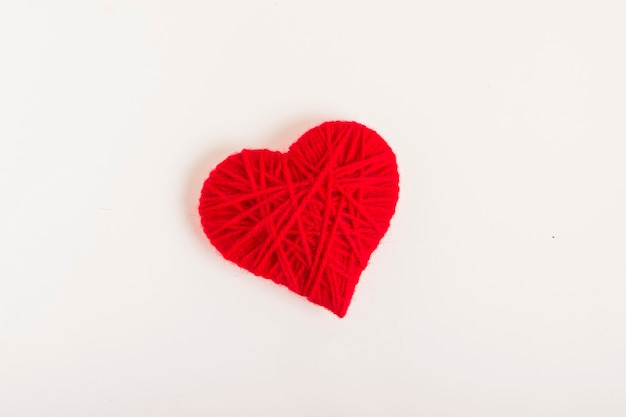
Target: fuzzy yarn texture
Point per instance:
(310, 218)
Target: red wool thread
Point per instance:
(310, 218)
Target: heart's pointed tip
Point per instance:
(340, 314)
(339, 311)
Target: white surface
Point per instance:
(499, 290)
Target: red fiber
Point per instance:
(308, 219)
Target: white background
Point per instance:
(499, 290)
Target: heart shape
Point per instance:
(310, 218)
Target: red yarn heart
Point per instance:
(308, 219)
